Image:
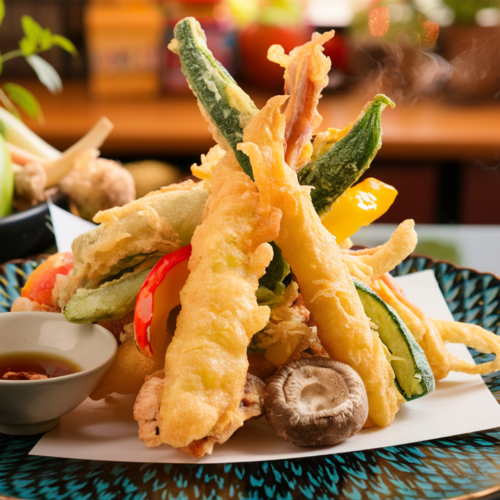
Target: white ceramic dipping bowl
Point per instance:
(34, 406)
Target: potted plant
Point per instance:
(14, 97)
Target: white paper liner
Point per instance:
(461, 404)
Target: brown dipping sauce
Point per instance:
(34, 366)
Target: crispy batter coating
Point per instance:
(208, 162)
(250, 408)
(131, 368)
(119, 327)
(306, 75)
(95, 184)
(286, 335)
(147, 410)
(29, 182)
(206, 363)
(23, 304)
(386, 257)
(357, 268)
(23, 376)
(315, 258)
(127, 373)
(473, 336)
(64, 287)
(410, 319)
(160, 223)
(323, 141)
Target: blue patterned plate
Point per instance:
(465, 467)
(13, 276)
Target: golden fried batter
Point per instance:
(127, 372)
(386, 257)
(95, 184)
(315, 258)
(250, 407)
(206, 363)
(410, 319)
(473, 336)
(147, 410)
(160, 222)
(23, 304)
(306, 75)
(286, 335)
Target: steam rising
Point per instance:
(467, 70)
(405, 72)
(465, 65)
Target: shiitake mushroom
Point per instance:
(316, 402)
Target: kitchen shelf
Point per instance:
(173, 125)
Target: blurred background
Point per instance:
(438, 60)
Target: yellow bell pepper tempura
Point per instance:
(359, 206)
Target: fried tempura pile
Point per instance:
(204, 391)
(210, 363)
(313, 254)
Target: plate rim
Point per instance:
(452, 264)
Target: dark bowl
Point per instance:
(28, 232)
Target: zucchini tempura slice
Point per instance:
(206, 363)
(426, 334)
(313, 254)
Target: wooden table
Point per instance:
(172, 125)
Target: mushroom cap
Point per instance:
(316, 402)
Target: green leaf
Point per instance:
(32, 29)
(24, 99)
(27, 46)
(65, 44)
(2, 10)
(45, 72)
(46, 39)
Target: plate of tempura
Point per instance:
(239, 295)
